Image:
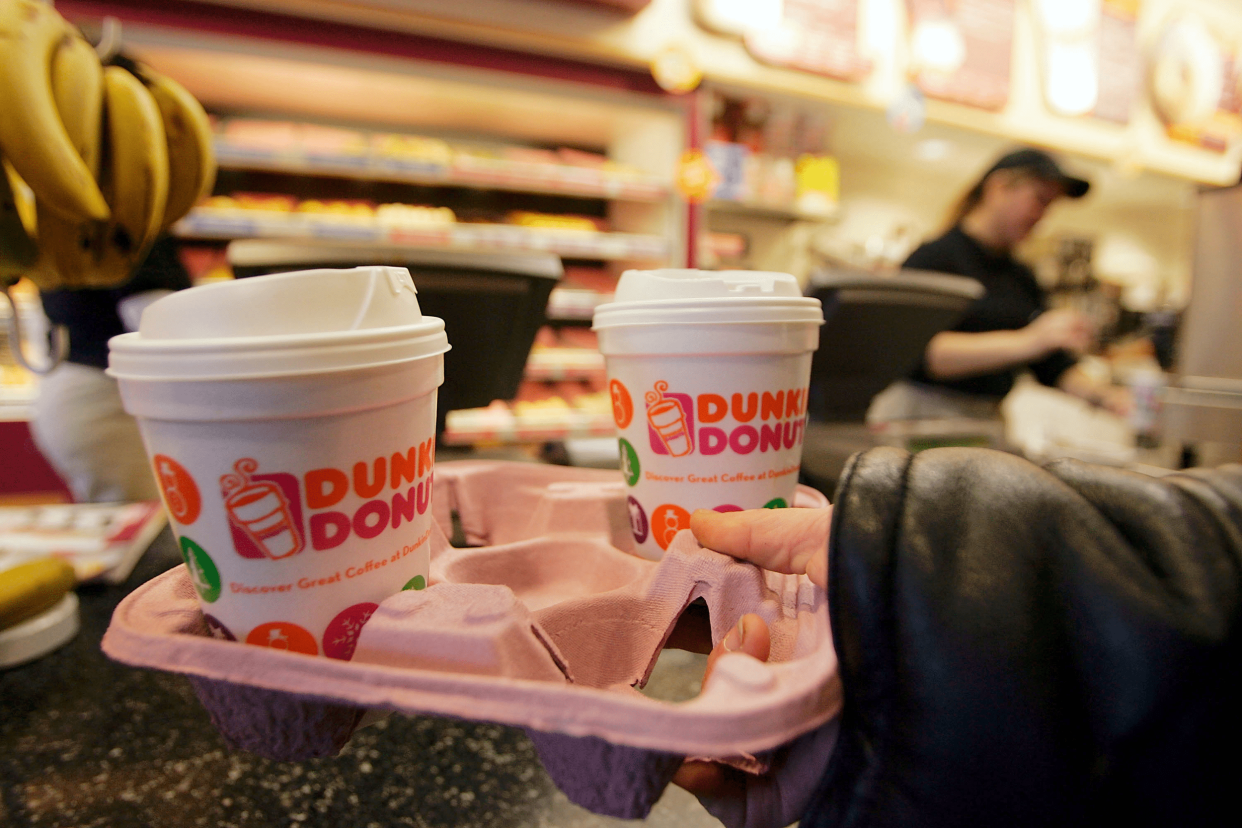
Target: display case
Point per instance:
(385, 148)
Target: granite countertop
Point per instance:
(85, 741)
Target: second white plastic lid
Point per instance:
(685, 296)
(284, 324)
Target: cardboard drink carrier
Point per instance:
(548, 618)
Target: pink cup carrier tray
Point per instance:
(549, 623)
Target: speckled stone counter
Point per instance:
(88, 742)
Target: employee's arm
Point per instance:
(955, 355)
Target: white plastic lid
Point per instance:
(284, 324)
(683, 296)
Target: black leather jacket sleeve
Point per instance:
(1033, 646)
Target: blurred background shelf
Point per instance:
(473, 172)
(500, 424)
(205, 223)
(759, 210)
(568, 304)
(561, 364)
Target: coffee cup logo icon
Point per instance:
(666, 416)
(261, 510)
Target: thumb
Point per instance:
(750, 636)
(702, 778)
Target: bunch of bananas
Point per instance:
(95, 161)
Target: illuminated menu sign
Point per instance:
(819, 36)
(1119, 63)
(963, 49)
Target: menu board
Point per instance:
(1119, 63)
(1231, 92)
(819, 36)
(985, 28)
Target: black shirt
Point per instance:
(90, 313)
(1011, 300)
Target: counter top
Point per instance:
(85, 741)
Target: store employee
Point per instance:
(967, 371)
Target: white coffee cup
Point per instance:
(290, 422)
(708, 372)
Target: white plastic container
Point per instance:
(290, 422)
(708, 373)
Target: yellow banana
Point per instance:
(135, 182)
(32, 136)
(134, 179)
(18, 250)
(66, 245)
(191, 153)
(77, 89)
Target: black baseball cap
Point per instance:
(1043, 166)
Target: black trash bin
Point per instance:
(876, 327)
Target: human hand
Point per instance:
(1061, 329)
(793, 541)
(1118, 400)
(711, 780)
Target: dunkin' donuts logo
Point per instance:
(680, 424)
(277, 515)
(265, 512)
(670, 421)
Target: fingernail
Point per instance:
(737, 635)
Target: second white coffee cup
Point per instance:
(708, 373)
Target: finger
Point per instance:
(709, 779)
(1119, 401)
(1076, 316)
(794, 541)
(750, 636)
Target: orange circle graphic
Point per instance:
(666, 521)
(282, 635)
(180, 491)
(622, 405)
